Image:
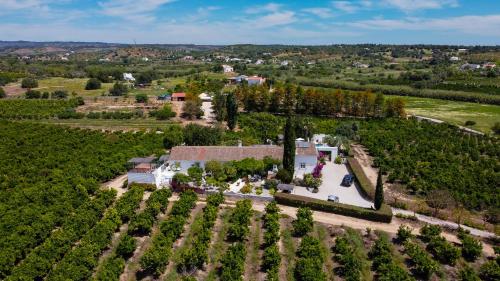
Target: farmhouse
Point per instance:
(178, 96)
(128, 77)
(227, 68)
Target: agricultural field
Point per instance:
(454, 112)
(76, 85)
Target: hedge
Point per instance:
(364, 183)
(382, 215)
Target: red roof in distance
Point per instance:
(179, 95)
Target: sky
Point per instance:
(305, 22)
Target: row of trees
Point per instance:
(317, 102)
(140, 224)
(233, 261)
(197, 254)
(96, 240)
(56, 245)
(155, 259)
(65, 166)
(271, 258)
(383, 262)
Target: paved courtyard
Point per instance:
(332, 179)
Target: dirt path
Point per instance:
(254, 253)
(117, 184)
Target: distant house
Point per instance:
(104, 60)
(462, 50)
(204, 97)
(259, 62)
(128, 77)
(489, 65)
(255, 80)
(238, 79)
(454, 59)
(178, 96)
(470, 66)
(145, 59)
(188, 58)
(284, 63)
(227, 68)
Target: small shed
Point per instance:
(178, 96)
(288, 188)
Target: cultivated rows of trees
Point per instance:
(271, 258)
(233, 261)
(91, 246)
(46, 174)
(156, 258)
(427, 157)
(140, 224)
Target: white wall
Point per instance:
(141, 178)
(309, 160)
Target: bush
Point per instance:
(430, 231)
(470, 123)
(382, 215)
(2, 93)
(232, 263)
(404, 233)
(141, 98)
(443, 250)
(311, 258)
(119, 89)
(471, 248)
(468, 274)
(247, 188)
(304, 222)
(163, 114)
(32, 94)
(490, 271)
(284, 176)
(423, 264)
(338, 160)
(238, 230)
(126, 246)
(93, 84)
(59, 94)
(29, 83)
(365, 184)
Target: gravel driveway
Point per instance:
(332, 178)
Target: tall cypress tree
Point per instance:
(379, 191)
(232, 111)
(289, 146)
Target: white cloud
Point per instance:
(323, 13)
(21, 4)
(269, 7)
(412, 5)
(273, 19)
(352, 6)
(141, 12)
(488, 25)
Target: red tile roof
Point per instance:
(225, 153)
(179, 95)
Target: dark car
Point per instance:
(347, 180)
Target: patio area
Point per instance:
(332, 179)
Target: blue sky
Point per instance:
(303, 22)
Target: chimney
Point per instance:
(240, 143)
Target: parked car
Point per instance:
(348, 180)
(333, 198)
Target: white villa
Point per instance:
(128, 77)
(227, 68)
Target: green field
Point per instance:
(455, 112)
(76, 85)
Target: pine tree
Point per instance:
(379, 191)
(289, 146)
(232, 111)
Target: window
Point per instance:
(302, 165)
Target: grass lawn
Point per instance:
(455, 112)
(76, 85)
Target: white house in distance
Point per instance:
(227, 68)
(128, 77)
